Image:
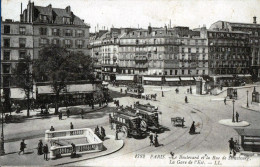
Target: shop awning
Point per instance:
(18, 93)
(152, 78)
(187, 78)
(174, 79)
(70, 88)
(246, 75)
(124, 78)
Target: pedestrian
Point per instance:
(22, 147)
(68, 113)
(156, 143)
(60, 115)
(192, 128)
(225, 101)
(73, 153)
(121, 90)
(186, 99)
(82, 114)
(71, 125)
(231, 146)
(151, 139)
(237, 116)
(52, 128)
(40, 147)
(190, 90)
(45, 152)
(116, 134)
(103, 132)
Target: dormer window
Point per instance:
(43, 18)
(66, 20)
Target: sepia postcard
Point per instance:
(130, 83)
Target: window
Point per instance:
(22, 30)
(22, 42)
(182, 50)
(6, 29)
(22, 54)
(43, 41)
(55, 32)
(80, 33)
(182, 71)
(7, 43)
(67, 43)
(176, 72)
(203, 50)
(68, 32)
(189, 50)
(56, 41)
(6, 55)
(6, 81)
(43, 31)
(6, 68)
(197, 50)
(79, 43)
(203, 72)
(170, 72)
(66, 20)
(43, 18)
(197, 72)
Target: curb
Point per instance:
(250, 109)
(98, 156)
(8, 140)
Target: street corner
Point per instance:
(251, 107)
(228, 122)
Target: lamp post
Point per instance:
(2, 149)
(247, 99)
(233, 117)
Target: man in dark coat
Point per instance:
(156, 143)
(71, 126)
(60, 115)
(68, 113)
(40, 147)
(45, 152)
(22, 147)
(151, 139)
(186, 99)
(237, 116)
(225, 101)
(231, 146)
(82, 114)
(73, 153)
(52, 128)
(192, 128)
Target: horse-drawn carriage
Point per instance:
(150, 116)
(128, 123)
(177, 121)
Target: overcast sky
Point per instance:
(130, 13)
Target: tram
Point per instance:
(135, 90)
(129, 123)
(150, 115)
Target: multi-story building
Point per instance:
(229, 55)
(16, 42)
(254, 40)
(56, 26)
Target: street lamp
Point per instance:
(233, 118)
(247, 99)
(2, 149)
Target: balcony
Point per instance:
(141, 66)
(141, 58)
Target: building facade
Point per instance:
(56, 26)
(16, 43)
(253, 29)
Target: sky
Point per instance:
(141, 13)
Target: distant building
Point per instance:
(254, 40)
(56, 26)
(16, 42)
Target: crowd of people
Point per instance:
(100, 132)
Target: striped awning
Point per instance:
(152, 78)
(187, 78)
(124, 77)
(174, 79)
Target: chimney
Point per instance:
(21, 15)
(149, 29)
(166, 30)
(254, 19)
(49, 6)
(68, 9)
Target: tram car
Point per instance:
(135, 90)
(149, 115)
(129, 123)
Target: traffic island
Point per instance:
(228, 122)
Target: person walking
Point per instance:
(225, 101)
(151, 139)
(237, 116)
(156, 143)
(40, 147)
(82, 114)
(192, 128)
(71, 125)
(231, 146)
(103, 132)
(22, 147)
(116, 134)
(73, 153)
(68, 113)
(60, 115)
(186, 99)
(45, 152)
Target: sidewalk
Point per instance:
(13, 159)
(252, 107)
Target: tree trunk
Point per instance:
(57, 103)
(28, 105)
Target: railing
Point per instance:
(93, 144)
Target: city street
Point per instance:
(206, 111)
